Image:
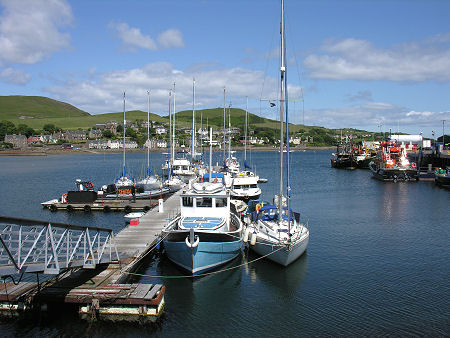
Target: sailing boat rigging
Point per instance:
(276, 230)
(124, 180)
(150, 182)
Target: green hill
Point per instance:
(29, 107)
(36, 111)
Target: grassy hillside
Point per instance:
(15, 107)
(36, 111)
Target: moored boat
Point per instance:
(206, 234)
(275, 230)
(392, 164)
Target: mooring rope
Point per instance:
(203, 274)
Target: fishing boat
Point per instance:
(275, 231)
(392, 164)
(363, 154)
(206, 234)
(343, 158)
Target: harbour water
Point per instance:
(377, 262)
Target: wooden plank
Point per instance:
(141, 291)
(153, 291)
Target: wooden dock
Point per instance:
(101, 292)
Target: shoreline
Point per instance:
(45, 151)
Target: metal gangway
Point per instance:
(50, 247)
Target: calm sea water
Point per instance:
(377, 262)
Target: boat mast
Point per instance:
(210, 155)
(245, 131)
(169, 159)
(124, 172)
(224, 118)
(286, 101)
(173, 124)
(201, 135)
(148, 133)
(193, 123)
(229, 131)
(282, 102)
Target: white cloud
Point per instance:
(372, 116)
(171, 38)
(132, 37)
(354, 59)
(14, 76)
(102, 93)
(30, 29)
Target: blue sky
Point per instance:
(374, 64)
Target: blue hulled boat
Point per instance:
(206, 234)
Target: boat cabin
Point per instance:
(205, 206)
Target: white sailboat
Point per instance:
(275, 230)
(173, 182)
(124, 180)
(150, 182)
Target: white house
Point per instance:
(160, 130)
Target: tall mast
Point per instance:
(193, 123)
(288, 176)
(282, 102)
(124, 172)
(224, 118)
(229, 131)
(173, 124)
(169, 159)
(245, 131)
(148, 133)
(201, 134)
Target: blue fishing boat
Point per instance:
(206, 233)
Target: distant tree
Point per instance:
(131, 133)
(119, 128)
(107, 134)
(25, 130)
(50, 128)
(7, 128)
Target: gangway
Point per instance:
(49, 247)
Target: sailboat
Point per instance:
(275, 230)
(124, 180)
(150, 182)
(173, 182)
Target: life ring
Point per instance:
(64, 198)
(89, 185)
(192, 245)
(258, 206)
(414, 165)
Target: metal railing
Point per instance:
(48, 247)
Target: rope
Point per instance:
(206, 273)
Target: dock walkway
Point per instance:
(101, 292)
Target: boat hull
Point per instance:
(283, 256)
(393, 174)
(204, 257)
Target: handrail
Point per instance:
(37, 246)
